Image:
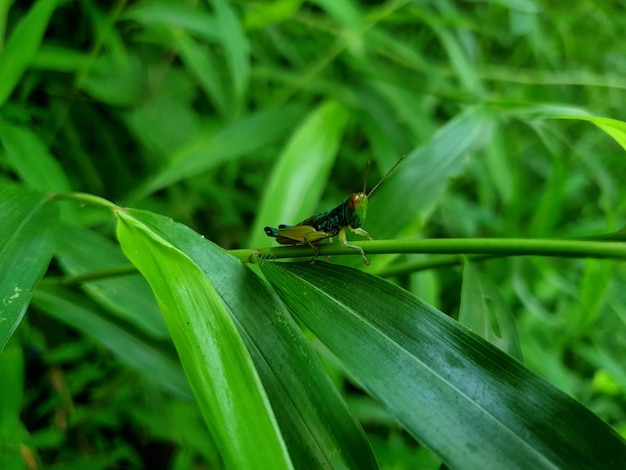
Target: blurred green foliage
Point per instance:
(227, 116)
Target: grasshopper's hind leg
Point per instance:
(344, 241)
(314, 237)
(317, 251)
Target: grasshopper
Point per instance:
(350, 215)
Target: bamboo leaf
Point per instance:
(22, 46)
(26, 243)
(80, 314)
(31, 159)
(404, 201)
(301, 172)
(236, 47)
(470, 403)
(216, 362)
(13, 434)
(485, 312)
(81, 252)
(314, 420)
(613, 127)
(210, 150)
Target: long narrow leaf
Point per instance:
(216, 362)
(473, 405)
(12, 431)
(485, 312)
(26, 242)
(212, 149)
(315, 421)
(82, 252)
(402, 203)
(236, 47)
(300, 174)
(78, 313)
(22, 46)
(31, 159)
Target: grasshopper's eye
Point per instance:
(353, 201)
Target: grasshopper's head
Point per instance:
(357, 209)
(357, 203)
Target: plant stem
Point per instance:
(87, 199)
(457, 246)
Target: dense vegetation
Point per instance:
(127, 129)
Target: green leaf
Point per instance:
(73, 310)
(31, 159)
(81, 252)
(403, 202)
(452, 42)
(204, 68)
(315, 422)
(216, 362)
(236, 47)
(485, 312)
(174, 16)
(301, 172)
(22, 46)
(26, 244)
(210, 150)
(470, 403)
(613, 127)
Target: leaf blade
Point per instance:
(22, 46)
(203, 332)
(484, 311)
(301, 171)
(27, 243)
(451, 390)
(316, 422)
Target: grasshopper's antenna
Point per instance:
(367, 172)
(384, 177)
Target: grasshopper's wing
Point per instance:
(292, 235)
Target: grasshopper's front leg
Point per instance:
(360, 231)
(344, 241)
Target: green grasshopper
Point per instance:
(350, 214)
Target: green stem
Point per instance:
(97, 275)
(85, 198)
(477, 248)
(457, 246)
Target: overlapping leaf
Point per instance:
(314, 420)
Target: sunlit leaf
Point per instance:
(216, 362)
(315, 421)
(300, 175)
